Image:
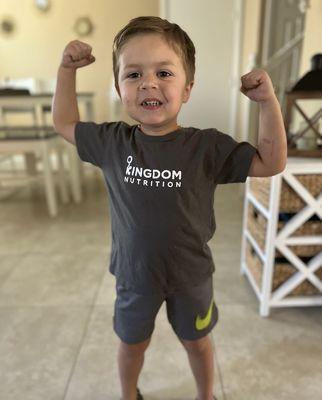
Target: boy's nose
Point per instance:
(148, 82)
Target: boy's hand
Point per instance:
(77, 54)
(257, 85)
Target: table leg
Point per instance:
(31, 169)
(49, 182)
(75, 173)
(61, 174)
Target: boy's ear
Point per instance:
(187, 92)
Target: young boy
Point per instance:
(161, 179)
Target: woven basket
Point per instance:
(257, 226)
(289, 199)
(281, 273)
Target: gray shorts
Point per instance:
(191, 312)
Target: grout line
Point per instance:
(221, 380)
(72, 371)
(77, 354)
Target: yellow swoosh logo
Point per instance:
(202, 323)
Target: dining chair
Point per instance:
(33, 141)
(22, 109)
(41, 116)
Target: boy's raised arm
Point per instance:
(65, 109)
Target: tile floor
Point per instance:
(56, 308)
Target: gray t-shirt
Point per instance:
(161, 197)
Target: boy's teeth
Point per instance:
(151, 103)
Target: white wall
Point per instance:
(209, 23)
(311, 45)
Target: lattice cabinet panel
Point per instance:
(282, 236)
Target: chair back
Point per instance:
(21, 120)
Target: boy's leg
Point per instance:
(130, 362)
(201, 359)
(133, 321)
(193, 314)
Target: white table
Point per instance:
(38, 101)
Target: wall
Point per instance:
(209, 24)
(311, 45)
(313, 34)
(36, 47)
(249, 49)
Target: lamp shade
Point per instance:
(312, 80)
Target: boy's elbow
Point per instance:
(57, 123)
(283, 166)
(60, 127)
(278, 170)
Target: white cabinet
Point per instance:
(282, 236)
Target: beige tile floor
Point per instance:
(56, 308)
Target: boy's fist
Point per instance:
(257, 85)
(77, 54)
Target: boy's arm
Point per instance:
(272, 142)
(65, 109)
(271, 156)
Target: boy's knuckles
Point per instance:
(77, 54)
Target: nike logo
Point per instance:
(202, 323)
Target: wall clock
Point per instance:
(83, 26)
(7, 26)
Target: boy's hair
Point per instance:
(176, 38)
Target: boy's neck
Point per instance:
(161, 132)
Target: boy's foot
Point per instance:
(139, 395)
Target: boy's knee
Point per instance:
(136, 349)
(196, 346)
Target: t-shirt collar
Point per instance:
(161, 138)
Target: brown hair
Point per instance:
(176, 37)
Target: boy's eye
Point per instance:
(131, 75)
(134, 74)
(165, 72)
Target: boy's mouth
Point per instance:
(151, 104)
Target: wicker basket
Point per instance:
(281, 273)
(257, 226)
(289, 199)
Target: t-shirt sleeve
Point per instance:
(93, 140)
(232, 159)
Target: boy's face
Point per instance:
(149, 79)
